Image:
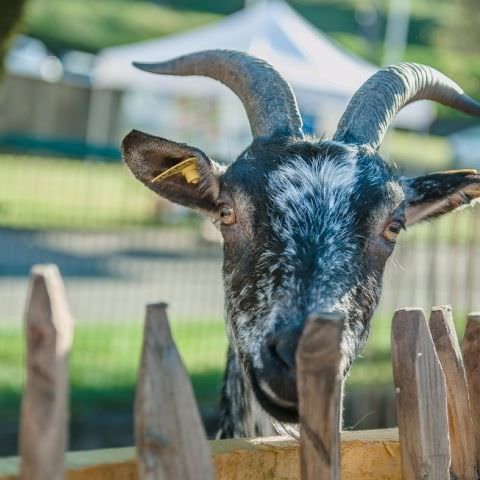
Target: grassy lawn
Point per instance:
(104, 364)
(373, 367)
(416, 152)
(37, 192)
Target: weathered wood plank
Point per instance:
(421, 398)
(319, 365)
(366, 455)
(44, 414)
(460, 424)
(471, 358)
(170, 438)
(462, 439)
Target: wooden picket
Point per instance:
(462, 439)
(169, 434)
(319, 371)
(471, 358)
(421, 398)
(44, 415)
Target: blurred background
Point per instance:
(68, 95)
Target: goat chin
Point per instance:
(288, 429)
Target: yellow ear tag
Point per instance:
(188, 168)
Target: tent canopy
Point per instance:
(320, 72)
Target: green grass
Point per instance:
(373, 368)
(37, 192)
(105, 359)
(416, 152)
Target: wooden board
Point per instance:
(460, 424)
(365, 455)
(471, 358)
(421, 399)
(44, 414)
(170, 438)
(319, 370)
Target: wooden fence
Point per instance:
(436, 383)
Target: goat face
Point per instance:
(307, 225)
(314, 224)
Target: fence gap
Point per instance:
(169, 435)
(421, 398)
(471, 358)
(462, 439)
(319, 368)
(44, 413)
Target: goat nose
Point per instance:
(283, 346)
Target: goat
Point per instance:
(308, 225)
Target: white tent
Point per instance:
(323, 75)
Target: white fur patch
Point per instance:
(303, 189)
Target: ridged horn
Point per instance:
(375, 104)
(268, 99)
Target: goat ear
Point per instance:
(433, 195)
(176, 171)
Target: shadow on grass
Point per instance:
(103, 417)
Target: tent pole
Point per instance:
(396, 34)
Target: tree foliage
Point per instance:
(10, 14)
(91, 25)
(468, 28)
(456, 45)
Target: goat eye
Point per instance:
(392, 230)
(227, 215)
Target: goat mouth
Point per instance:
(278, 409)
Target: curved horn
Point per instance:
(374, 105)
(268, 99)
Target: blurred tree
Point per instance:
(468, 27)
(462, 31)
(91, 25)
(10, 14)
(458, 41)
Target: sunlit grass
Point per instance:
(421, 153)
(37, 192)
(373, 368)
(105, 359)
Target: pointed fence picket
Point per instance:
(169, 434)
(44, 413)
